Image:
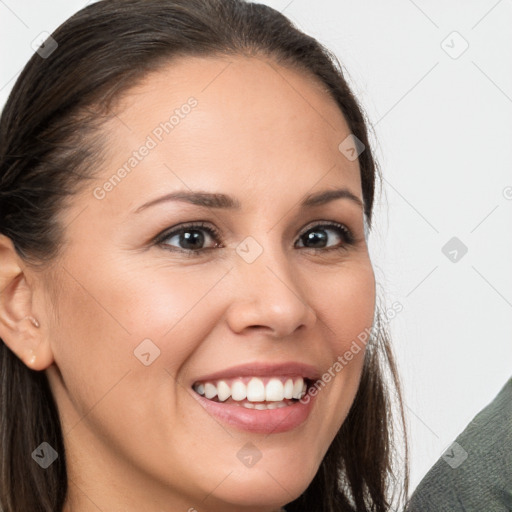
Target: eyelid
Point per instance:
(187, 225)
(327, 224)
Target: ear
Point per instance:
(20, 329)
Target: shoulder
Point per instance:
(475, 472)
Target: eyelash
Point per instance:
(345, 233)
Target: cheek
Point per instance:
(104, 317)
(109, 313)
(345, 300)
(176, 308)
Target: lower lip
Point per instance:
(267, 421)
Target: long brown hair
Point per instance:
(49, 142)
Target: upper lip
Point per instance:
(260, 369)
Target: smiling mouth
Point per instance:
(259, 393)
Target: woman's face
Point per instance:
(276, 295)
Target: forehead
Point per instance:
(232, 124)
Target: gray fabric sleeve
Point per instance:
(475, 472)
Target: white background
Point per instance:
(443, 138)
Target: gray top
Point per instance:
(475, 472)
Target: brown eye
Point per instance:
(317, 237)
(189, 238)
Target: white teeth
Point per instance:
(210, 390)
(288, 389)
(262, 407)
(297, 388)
(255, 390)
(223, 391)
(274, 391)
(238, 391)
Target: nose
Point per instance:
(268, 297)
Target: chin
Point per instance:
(265, 487)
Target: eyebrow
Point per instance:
(218, 200)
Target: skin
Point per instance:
(136, 438)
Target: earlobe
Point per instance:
(19, 329)
(37, 354)
(33, 320)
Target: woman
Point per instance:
(188, 305)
